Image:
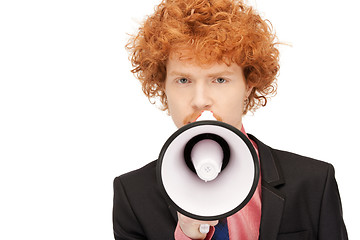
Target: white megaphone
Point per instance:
(208, 170)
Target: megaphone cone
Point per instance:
(208, 170)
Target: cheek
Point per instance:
(175, 111)
(232, 101)
(172, 101)
(231, 108)
(177, 118)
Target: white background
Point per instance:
(72, 116)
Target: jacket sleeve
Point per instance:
(125, 223)
(331, 225)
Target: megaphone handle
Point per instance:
(204, 228)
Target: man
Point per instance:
(219, 55)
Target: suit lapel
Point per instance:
(271, 212)
(173, 213)
(272, 200)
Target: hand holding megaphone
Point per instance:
(195, 229)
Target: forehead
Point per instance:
(188, 67)
(191, 56)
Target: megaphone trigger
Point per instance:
(204, 228)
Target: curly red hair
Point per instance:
(215, 31)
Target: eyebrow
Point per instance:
(222, 73)
(180, 74)
(215, 74)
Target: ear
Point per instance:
(163, 98)
(249, 89)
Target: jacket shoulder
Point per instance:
(139, 185)
(137, 203)
(295, 166)
(146, 173)
(280, 166)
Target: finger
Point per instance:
(193, 228)
(213, 223)
(186, 219)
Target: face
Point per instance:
(191, 88)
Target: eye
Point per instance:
(220, 80)
(183, 80)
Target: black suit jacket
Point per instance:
(300, 200)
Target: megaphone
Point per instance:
(208, 170)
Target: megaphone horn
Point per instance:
(208, 170)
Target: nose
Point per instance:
(201, 99)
